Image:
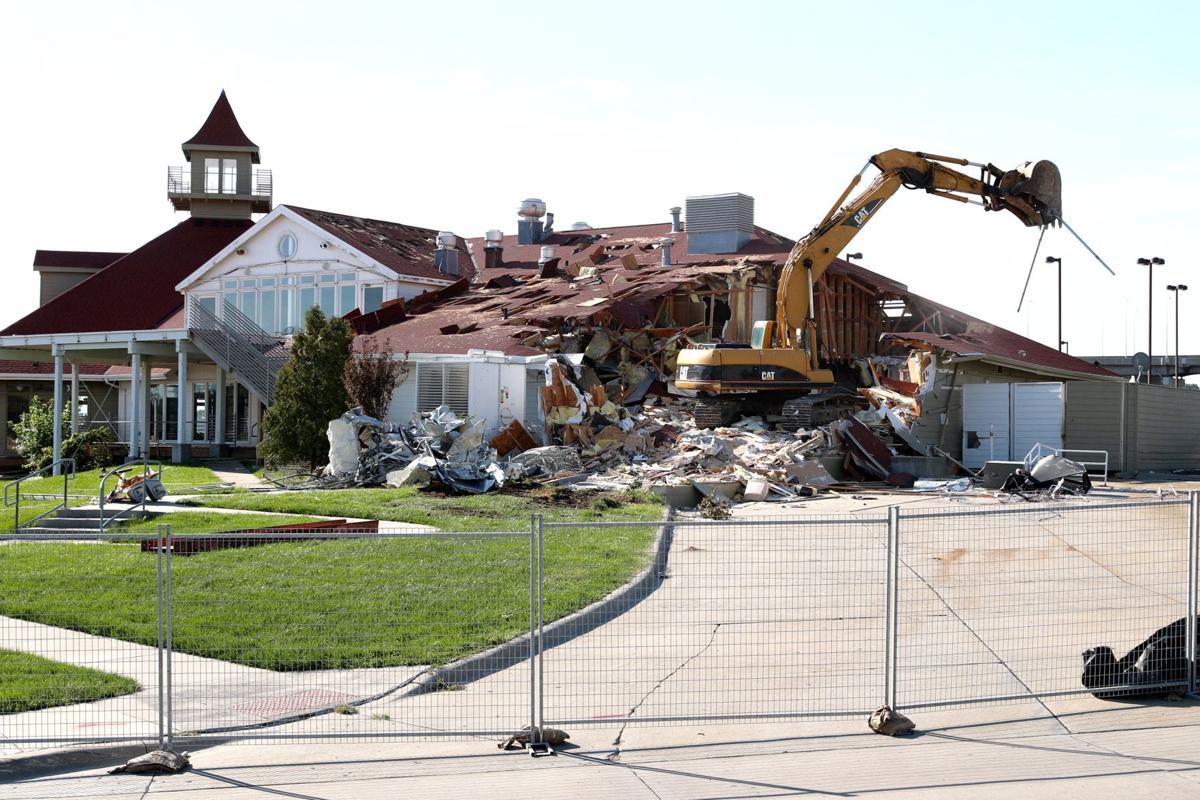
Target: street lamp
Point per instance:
(850, 256)
(1150, 262)
(1052, 260)
(1177, 288)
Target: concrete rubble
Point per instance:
(615, 435)
(605, 429)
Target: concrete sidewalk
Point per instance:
(208, 693)
(1082, 749)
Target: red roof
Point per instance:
(984, 339)
(46, 368)
(512, 303)
(136, 292)
(221, 129)
(406, 249)
(74, 259)
(640, 241)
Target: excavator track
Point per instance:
(714, 412)
(817, 409)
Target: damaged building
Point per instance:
(568, 332)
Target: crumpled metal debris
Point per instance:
(436, 446)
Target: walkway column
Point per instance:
(181, 451)
(219, 439)
(58, 408)
(135, 393)
(145, 418)
(74, 398)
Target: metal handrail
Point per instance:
(145, 462)
(68, 474)
(179, 181)
(1038, 450)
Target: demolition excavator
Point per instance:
(778, 372)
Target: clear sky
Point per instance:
(447, 114)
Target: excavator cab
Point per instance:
(763, 334)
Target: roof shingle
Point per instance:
(136, 292)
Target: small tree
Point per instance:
(309, 392)
(371, 377)
(34, 432)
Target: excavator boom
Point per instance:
(1031, 192)
(783, 354)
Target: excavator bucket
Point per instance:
(1039, 184)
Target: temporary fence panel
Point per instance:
(1001, 605)
(720, 621)
(366, 635)
(311, 635)
(80, 640)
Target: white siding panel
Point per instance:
(1037, 417)
(985, 423)
(404, 400)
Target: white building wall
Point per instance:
(317, 253)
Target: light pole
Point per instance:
(1177, 288)
(1052, 260)
(1150, 262)
(851, 256)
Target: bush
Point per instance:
(371, 377)
(34, 433)
(309, 392)
(91, 448)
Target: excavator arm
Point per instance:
(1031, 192)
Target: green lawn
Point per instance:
(29, 682)
(81, 489)
(178, 478)
(494, 511)
(325, 604)
(205, 522)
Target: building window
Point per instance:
(220, 176)
(372, 298)
(278, 305)
(443, 385)
(228, 176)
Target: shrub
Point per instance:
(309, 392)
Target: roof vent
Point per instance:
(546, 254)
(664, 244)
(675, 226)
(719, 223)
(580, 226)
(445, 258)
(493, 249)
(530, 229)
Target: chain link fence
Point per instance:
(368, 635)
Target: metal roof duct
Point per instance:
(719, 223)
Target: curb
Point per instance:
(515, 651)
(49, 762)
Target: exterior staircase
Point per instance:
(81, 520)
(239, 346)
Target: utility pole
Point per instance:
(1052, 260)
(1177, 288)
(1150, 262)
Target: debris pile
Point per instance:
(609, 436)
(435, 445)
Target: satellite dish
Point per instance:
(1141, 361)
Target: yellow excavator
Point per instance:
(781, 359)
